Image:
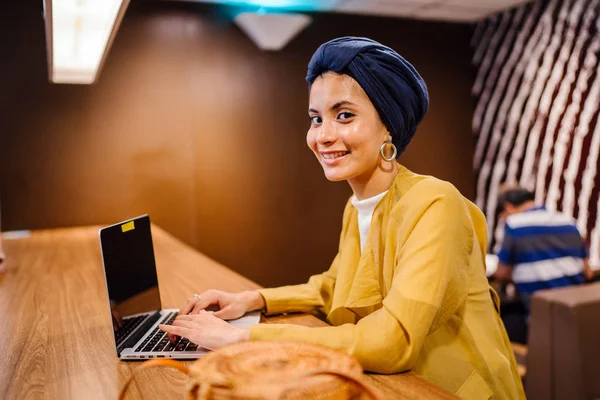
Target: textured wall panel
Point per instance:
(536, 116)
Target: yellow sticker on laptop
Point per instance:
(129, 226)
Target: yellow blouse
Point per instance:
(416, 298)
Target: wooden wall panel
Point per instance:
(191, 123)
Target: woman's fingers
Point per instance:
(228, 312)
(197, 303)
(206, 299)
(188, 306)
(172, 337)
(175, 330)
(206, 330)
(185, 324)
(201, 316)
(184, 317)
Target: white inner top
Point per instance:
(365, 210)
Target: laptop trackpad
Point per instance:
(251, 318)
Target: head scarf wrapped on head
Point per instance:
(393, 85)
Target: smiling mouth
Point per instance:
(333, 156)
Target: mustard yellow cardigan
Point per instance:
(417, 298)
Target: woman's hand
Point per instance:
(231, 305)
(206, 330)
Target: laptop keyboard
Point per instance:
(128, 325)
(157, 340)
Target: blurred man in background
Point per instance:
(541, 249)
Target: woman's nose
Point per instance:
(326, 134)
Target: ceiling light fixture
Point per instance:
(79, 34)
(271, 31)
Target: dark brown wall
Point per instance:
(194, 125)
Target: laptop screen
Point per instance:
(130, 269)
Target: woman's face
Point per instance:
(346, 132)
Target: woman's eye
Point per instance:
(345, 115)
(316, 119)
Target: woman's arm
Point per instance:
(429, 285)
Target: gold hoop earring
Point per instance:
(388, 142)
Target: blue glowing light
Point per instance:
(274, 6)
(296, 5)
(269, 3)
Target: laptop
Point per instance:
(134, 295)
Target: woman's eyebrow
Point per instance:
(337, 105)
(342, 103)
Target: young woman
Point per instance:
(407, 289)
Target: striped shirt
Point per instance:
(545, 250)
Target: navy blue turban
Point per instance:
(393, 85)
